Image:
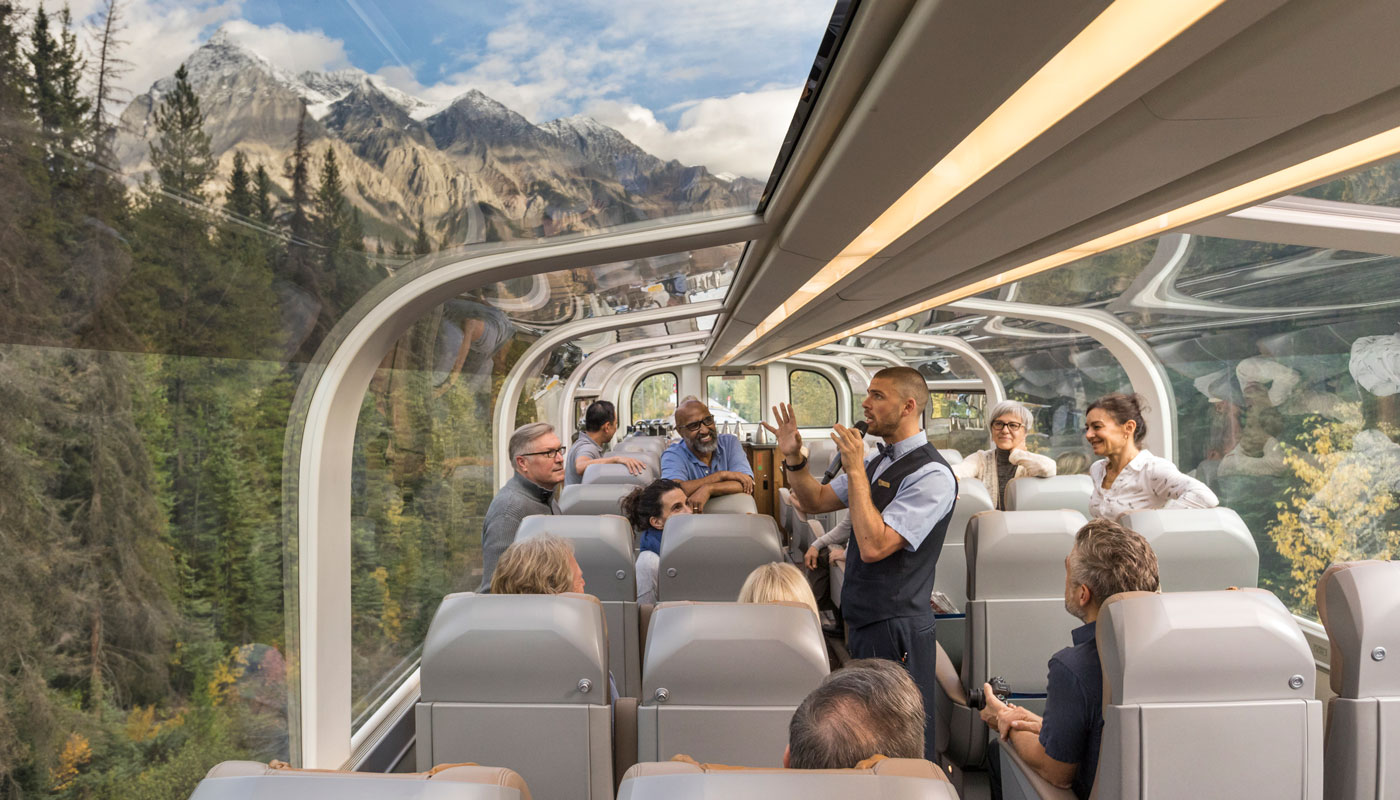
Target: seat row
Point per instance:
(506, 678)
(892, 779)
(606, 498)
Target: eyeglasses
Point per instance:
(550, 454)
(1000, 425)
(707, 422)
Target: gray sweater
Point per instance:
(518, 499)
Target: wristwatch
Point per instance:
(782, 462)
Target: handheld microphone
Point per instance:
(835, 465)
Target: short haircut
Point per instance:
(869, 707)
(775, 583)
(599, 413)
(644, 502)
(909, 382)
(536, 565)
(1123, 407)
(1011, 407)
(1110, 559)
(524, 435)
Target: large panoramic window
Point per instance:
(813, 398)
(735, 398)
(654, 397)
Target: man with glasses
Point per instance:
(705, 462)
(539, 469)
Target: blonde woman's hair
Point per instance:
(537, 565)
(776, 582)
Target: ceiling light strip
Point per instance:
(1120, 38)
(1346, 159)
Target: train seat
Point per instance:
(603, 546)
(644, 444)
(1016, 615)
(738, 503)
(520, 681)
(245, 780)
(890, 779)
(1206, 694)
(951, 456)
(616, 473)
(1359, 603)
(820, 451)
(1048, 494)
(593, 498)
(1198, 549)
(951, 576)
(720, 681)
(708, 556)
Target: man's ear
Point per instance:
(787, 757)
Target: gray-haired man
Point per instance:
(869, 707)
(539, 469)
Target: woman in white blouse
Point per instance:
(1130, 478)
(1008, 458)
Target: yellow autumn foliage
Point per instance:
(76, 752)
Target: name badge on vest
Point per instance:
(881, 483)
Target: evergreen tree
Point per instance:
(297, 218)
(58, 102)
(181, 154)
(421, 244)
(108, 68)
(238, 198)
(400, 249)
(262, 197)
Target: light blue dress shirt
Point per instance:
(919, 501)
(679, 464)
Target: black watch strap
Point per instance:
(794, 467)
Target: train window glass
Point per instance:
(813, 398)
(654, 397)
(1376, 185)
(735, 398)
(858, 387)
(958, 421)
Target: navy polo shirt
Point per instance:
(1073, 724)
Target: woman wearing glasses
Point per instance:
(1009, 458)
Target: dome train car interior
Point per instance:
(284, 281)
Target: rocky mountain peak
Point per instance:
(474, 117)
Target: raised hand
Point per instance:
(851, 443)
(789, 440)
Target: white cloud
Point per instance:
(738, 134)
(296, 51)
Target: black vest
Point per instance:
(898, 585)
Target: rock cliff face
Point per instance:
(472, 171)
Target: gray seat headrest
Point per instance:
(616, 473)
(951, 456)
(602, 545)
(708, 556)
(1226, 646)
(241, 780)
(1359, 603)
(1198, 549)
(1044, 494)
(1008, 553)
(521, 648)
(738, 503)
(732, 654)
(593, 498)
(888, 779)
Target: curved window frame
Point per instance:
(632, 401)
(835, 398)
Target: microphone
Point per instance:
(835, 465)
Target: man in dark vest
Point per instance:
(900, 502)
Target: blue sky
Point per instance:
(710, 82)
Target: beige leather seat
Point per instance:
(708, 556)
(250, 780)
(593, 498)
(603, 546)
(616, 473)
(1198, 549)
(720, 681)
(951, 576)
(1359, 603)
(887, 779)
(739, 503)
(520, 681)
(1206, 694)
(1016, 616)
(1048, 494)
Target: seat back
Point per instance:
(245, 780)
(820, 451)
(1359, 603)
(1048, 494)
(617, 473)
(738, 503)
(1198, 549)
(593, 498)
(720, 681)
(643, 444)
(708, 556)
(603, 546)
(951, 456)
(889, 779)
(951, 577)
(1206, 694)
(506, 679)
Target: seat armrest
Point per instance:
(624, 737)
(1020, 782)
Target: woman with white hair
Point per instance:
(1008, 458)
